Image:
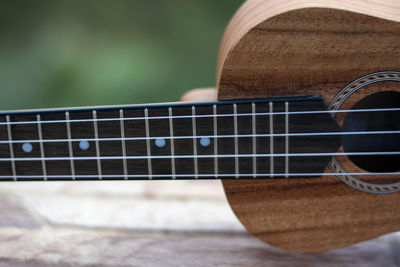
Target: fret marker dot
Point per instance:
(84, 145)
(160, 142)
(205, 141)
(27, 147)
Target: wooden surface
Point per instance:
(147, 224)
(267, 51)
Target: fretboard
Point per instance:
(242, 139)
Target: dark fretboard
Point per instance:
(225, 139)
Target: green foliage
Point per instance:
(99, 52)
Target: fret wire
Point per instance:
(171, 132)
(41, 148)
(196, 167)
(253, 124)
(123, 144)
(96, 135)
(287, 139)
(271, 139)
(11, 149)
(146, 121)
(235, 128)
(215, 126)
(70, 148)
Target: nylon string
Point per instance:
(201, 175)
(210, 136)
(197, 137)
(207, 116)
(210, 156)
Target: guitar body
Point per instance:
(291, 47)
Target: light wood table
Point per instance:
(147, 223)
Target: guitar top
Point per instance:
(348, 52)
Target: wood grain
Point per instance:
(290, 47)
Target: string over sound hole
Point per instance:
(374, 121)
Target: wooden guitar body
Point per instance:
(292, 47)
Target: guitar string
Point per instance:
(198, 137)
(377, 153)
(223, 175)
(226, 136)
(202, 116)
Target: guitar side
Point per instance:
(278, 48)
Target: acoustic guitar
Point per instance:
(305, 134)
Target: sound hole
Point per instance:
(374, 121)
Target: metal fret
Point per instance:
(39, 125)
(11, 148)
(235, 128)
(146, 121)
(253, 124)
(71, 152)
(123, 144)
(271, 139)
(196, 167)
(171, 133)
(96, 136)
(215, 124)
(287, 139)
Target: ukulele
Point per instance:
(305, 134)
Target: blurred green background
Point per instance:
(99, 52)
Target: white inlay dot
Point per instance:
(27, 147)
(84, 145)
(160, 142)
(205, 141)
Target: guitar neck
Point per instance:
(224, 139)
